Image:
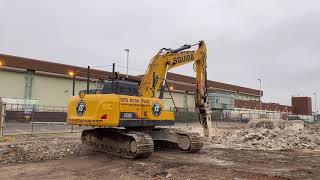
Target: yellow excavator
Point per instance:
(126, 116)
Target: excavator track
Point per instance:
(196, 142)
(169, 138)
(120, 142)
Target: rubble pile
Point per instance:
(52, 148)
(267, 123)
(258, 137)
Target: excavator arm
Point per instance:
(155, 77)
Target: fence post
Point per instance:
(2, 117)
(32, 127)
(216, 122)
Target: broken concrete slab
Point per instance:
(267, 123)
(295, 125)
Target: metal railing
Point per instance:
(33, 107)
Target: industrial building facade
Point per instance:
(50, 84)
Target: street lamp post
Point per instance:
(127, 50)
(73, 75)
(260, 94)
(73, 84)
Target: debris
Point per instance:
(296, 125)
(39, 150)
(266, 123)
(271, 135)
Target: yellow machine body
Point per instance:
(113, 110)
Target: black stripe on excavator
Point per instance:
(184, 47)
(140, 123)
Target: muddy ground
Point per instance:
(61, 156)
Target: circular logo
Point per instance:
(156, 108)
(81, 108)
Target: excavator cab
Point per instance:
(123, 87)
(118, 86)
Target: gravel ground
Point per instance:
(234, 153)
(26, 148)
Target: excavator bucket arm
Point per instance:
(155, 77)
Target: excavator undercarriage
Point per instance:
(140, 142)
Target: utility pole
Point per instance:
(260, 94)
(88, 79)
(127, 50)
(315, 105)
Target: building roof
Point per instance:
(180, 82)
(51, 67)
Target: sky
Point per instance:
(277, 41)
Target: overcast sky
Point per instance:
(275, 40)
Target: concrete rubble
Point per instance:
(34, 151)
(271, 135)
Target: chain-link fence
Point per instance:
(34, 107)
(13, 128)
(35, 119)
(32, 119)
(35, 113)
(242, 116)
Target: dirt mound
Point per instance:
(270, 139)
(44, 149)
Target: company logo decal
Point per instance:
(156, 108)
(81, 108)
(182, 59)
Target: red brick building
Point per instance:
(301, 105)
